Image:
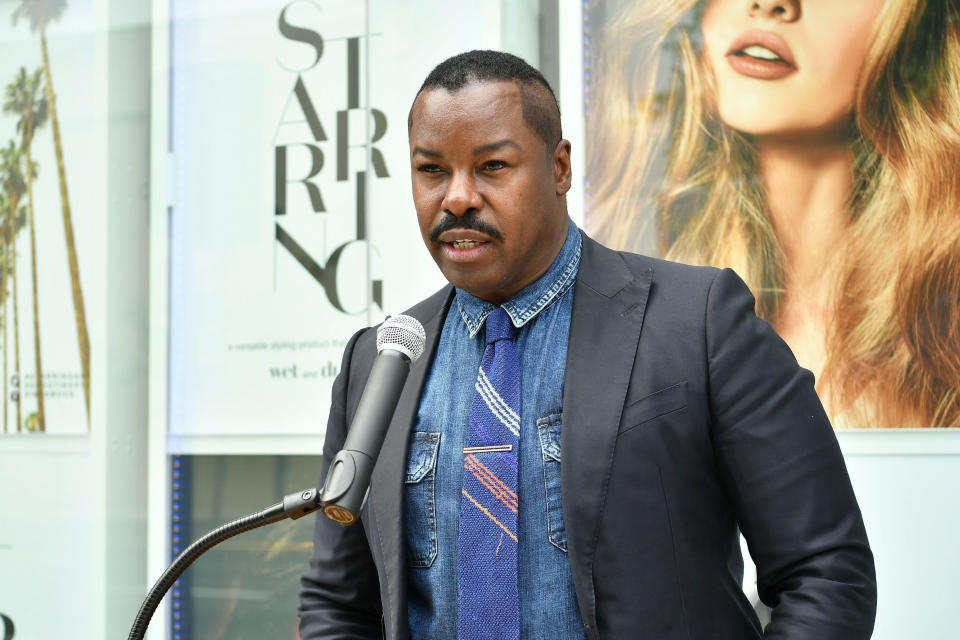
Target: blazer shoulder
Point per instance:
(698, 292)
(672, 290)
(668, 272)
(606, 268)
(673, 280)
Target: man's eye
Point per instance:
(494, 165)
(429, 168)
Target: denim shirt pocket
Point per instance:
(548, 429)
(420, 510)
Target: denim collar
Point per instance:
(533, 298)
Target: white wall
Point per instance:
(905, 481)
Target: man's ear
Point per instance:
(560, 161)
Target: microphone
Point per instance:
(400, 341)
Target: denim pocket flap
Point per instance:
(654, 405)
(422, 457)
(548, 428)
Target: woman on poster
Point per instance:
(814, 147)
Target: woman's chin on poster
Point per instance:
(814, 147)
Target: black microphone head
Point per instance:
(404, 334)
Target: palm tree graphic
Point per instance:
(4, 290)
(23, 98)
(40, 13)
(11, 170)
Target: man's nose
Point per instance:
(780, 10)
(462, 196)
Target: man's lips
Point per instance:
(464, 239)
(761, 54)
(468, 227)
(462, 235)
(463, 247)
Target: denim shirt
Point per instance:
(434, 472)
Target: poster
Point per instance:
(292, 221)
(50, 121)
(53, 208)
(814, 150)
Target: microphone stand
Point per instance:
(293, 506)
(400, 341)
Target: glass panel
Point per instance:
(246, 587)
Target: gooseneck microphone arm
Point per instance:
(400, 341)
(293, 506)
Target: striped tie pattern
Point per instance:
(488, 601)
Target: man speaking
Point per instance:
(588, 430)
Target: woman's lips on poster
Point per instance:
(761, 54)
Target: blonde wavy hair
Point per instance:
(665, 174)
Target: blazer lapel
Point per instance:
(608, 308)
(385, 503)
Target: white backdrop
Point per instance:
(302, 87)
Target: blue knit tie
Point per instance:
(487, 598)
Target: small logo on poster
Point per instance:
(301, 107)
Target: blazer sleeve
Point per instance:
(783, 471)
(339, 593)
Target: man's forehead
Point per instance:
(475, 102)
(480, 112)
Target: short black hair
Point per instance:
(540, 109)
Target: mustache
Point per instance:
(467, 222)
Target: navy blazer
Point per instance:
(684, 418)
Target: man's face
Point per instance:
(489, 195)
